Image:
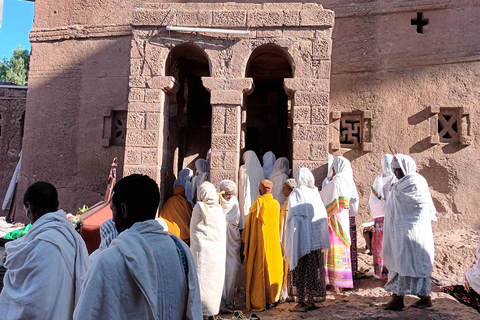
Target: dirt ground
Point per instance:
(454, 254)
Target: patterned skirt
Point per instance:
(381, 271)
(306, 283)
(353, 246)
(464, 294)
(338, 271)
(403, 285)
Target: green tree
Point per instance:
(15, 69)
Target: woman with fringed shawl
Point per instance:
(337, 197)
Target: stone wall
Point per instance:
(12, 112)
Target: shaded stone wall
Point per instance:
(12, 112)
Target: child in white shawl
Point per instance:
(379, 193)
(249, 177)
(208, 246)
(185, 179)
(278, 176)
(268, 163)
(233, 266)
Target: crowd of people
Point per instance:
(185, 262)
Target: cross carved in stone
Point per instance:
(350, 130)
(420, 22)
(447, 126)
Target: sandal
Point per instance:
(254, 317)
(238, 315)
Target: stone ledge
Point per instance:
(79, 32)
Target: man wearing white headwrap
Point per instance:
(208, 246)
(338, 196)
(306, 234)
(201, 175)
(185, 179)
(268, 163)
(249, 177)
(329, 172)
(233, 264)
(278, 176)
(379, 193)
(408, 246)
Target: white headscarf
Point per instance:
(250, 175)
(230, 207)
(184, 179)
(207, 198)
(278, 176)
(381, 188)
(202, 174)
(307, 226)
(330, 171)
(268, 163)
(404, 162)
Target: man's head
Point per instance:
(288, 187)
(229, 188)
(135, 198)
(265, 187)
(39, 199)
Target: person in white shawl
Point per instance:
(278, 176)
(378, 195)
(145, 273)
(185, 179)
(44, 267)
(268, 160)
(306, 233)
(233, 264)
(340, 198)
(208, 246)
(201, 175)
(329, 172)
(249, 177)
(408, 246)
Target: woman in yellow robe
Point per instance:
(263, 255)
(177, 213)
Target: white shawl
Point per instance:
(141, 276)
(408, 247)
(329, 172)
(45, 268)
(208, 246)
(473, 274)
(250, 175)
(184, 179)
(306, 226)
(268, 163)
(381, 188)
(278, 177)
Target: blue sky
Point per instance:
(17, 21)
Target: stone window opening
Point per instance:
(268, 123)
(420, 22)
(190, 114)
(114, 128)
(351, 130)
(448, 128)
(450, 125)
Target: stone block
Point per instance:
(217, 175)
(282, 5)
(301, 150)
(228, 97)
(433, 110)
(336, 115)
(136, 67)
(154, 121)
(465, 111)
(319, 151)
(434, 139)
(201, 18)
(218, 119)
(291, 18)
(367, 146)
(265, 18)
(466, 140)
(224, 142)
(158, 17)
(307, 85)
(305, 33)
(269, 33)
(217, 159)
(301, 114)
(232, 120)
(244, 85)
(367, 114)
(140, 106)
(231, 161)
(136, 120)
(303, 98)
(133, 156)
(319, 115)
(311, 133)
(150, 171)
(322, 49)
(150, 156)
(229, 18)
(137, 82)
(317, 18)
(142, 138)
(168, 83)
(335, 145)
(136, 94)
(154, 95)
(323, 69)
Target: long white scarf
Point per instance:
(250, 175)
(381, 187)
(268, 163)
(278, 176)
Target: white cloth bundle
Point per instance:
(307, 226)
(45, 268)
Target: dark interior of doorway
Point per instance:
(267, 125)
(190, 123)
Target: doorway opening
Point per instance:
(190, 109)
(268, 122)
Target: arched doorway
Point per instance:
(268, 122)
(190, 109)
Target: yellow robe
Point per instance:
(177, 213)
(263, 256)
(283, 220)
